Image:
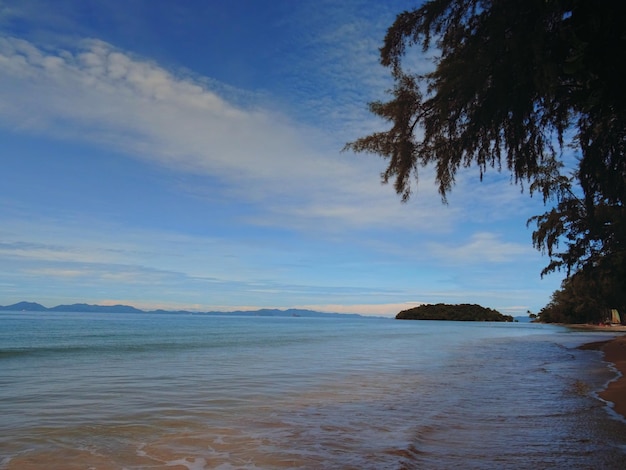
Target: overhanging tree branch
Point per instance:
(511, 80)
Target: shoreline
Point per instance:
(614, 351)
(588, 327)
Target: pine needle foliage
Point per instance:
(513, 85)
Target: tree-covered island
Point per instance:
(460, 312)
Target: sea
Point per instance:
(96, 391)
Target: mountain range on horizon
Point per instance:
(25, 306)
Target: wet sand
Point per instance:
(615, 352)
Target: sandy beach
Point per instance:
(615, 352)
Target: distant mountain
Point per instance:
(25, 306)
(87, 308)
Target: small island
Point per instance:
(459, 312)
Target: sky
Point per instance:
(187, 155)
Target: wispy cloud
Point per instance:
(147, 267)
(481, 248)
(138, 107)
(55, 272)
(108, 97)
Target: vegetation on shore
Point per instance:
(578, 301)
(459, 312)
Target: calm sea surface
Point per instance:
(147, 391)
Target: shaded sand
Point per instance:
(614, 351)
(589, 327)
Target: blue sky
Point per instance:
(188, 155)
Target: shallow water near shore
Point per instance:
(135, 391)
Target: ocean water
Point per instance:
(147, 391)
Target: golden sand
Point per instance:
(615, 352)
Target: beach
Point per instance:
(614, 352)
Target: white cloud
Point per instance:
(104, 92)
(115, 100)
(55, 272)
(482, 247)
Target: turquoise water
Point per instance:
(148, 391)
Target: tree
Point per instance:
(459, 312)
(515, 84)
(576, 302)
(594, 238)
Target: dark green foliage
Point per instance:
(513, 84)
(584, 298)
(461, 312)
(510, 78)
